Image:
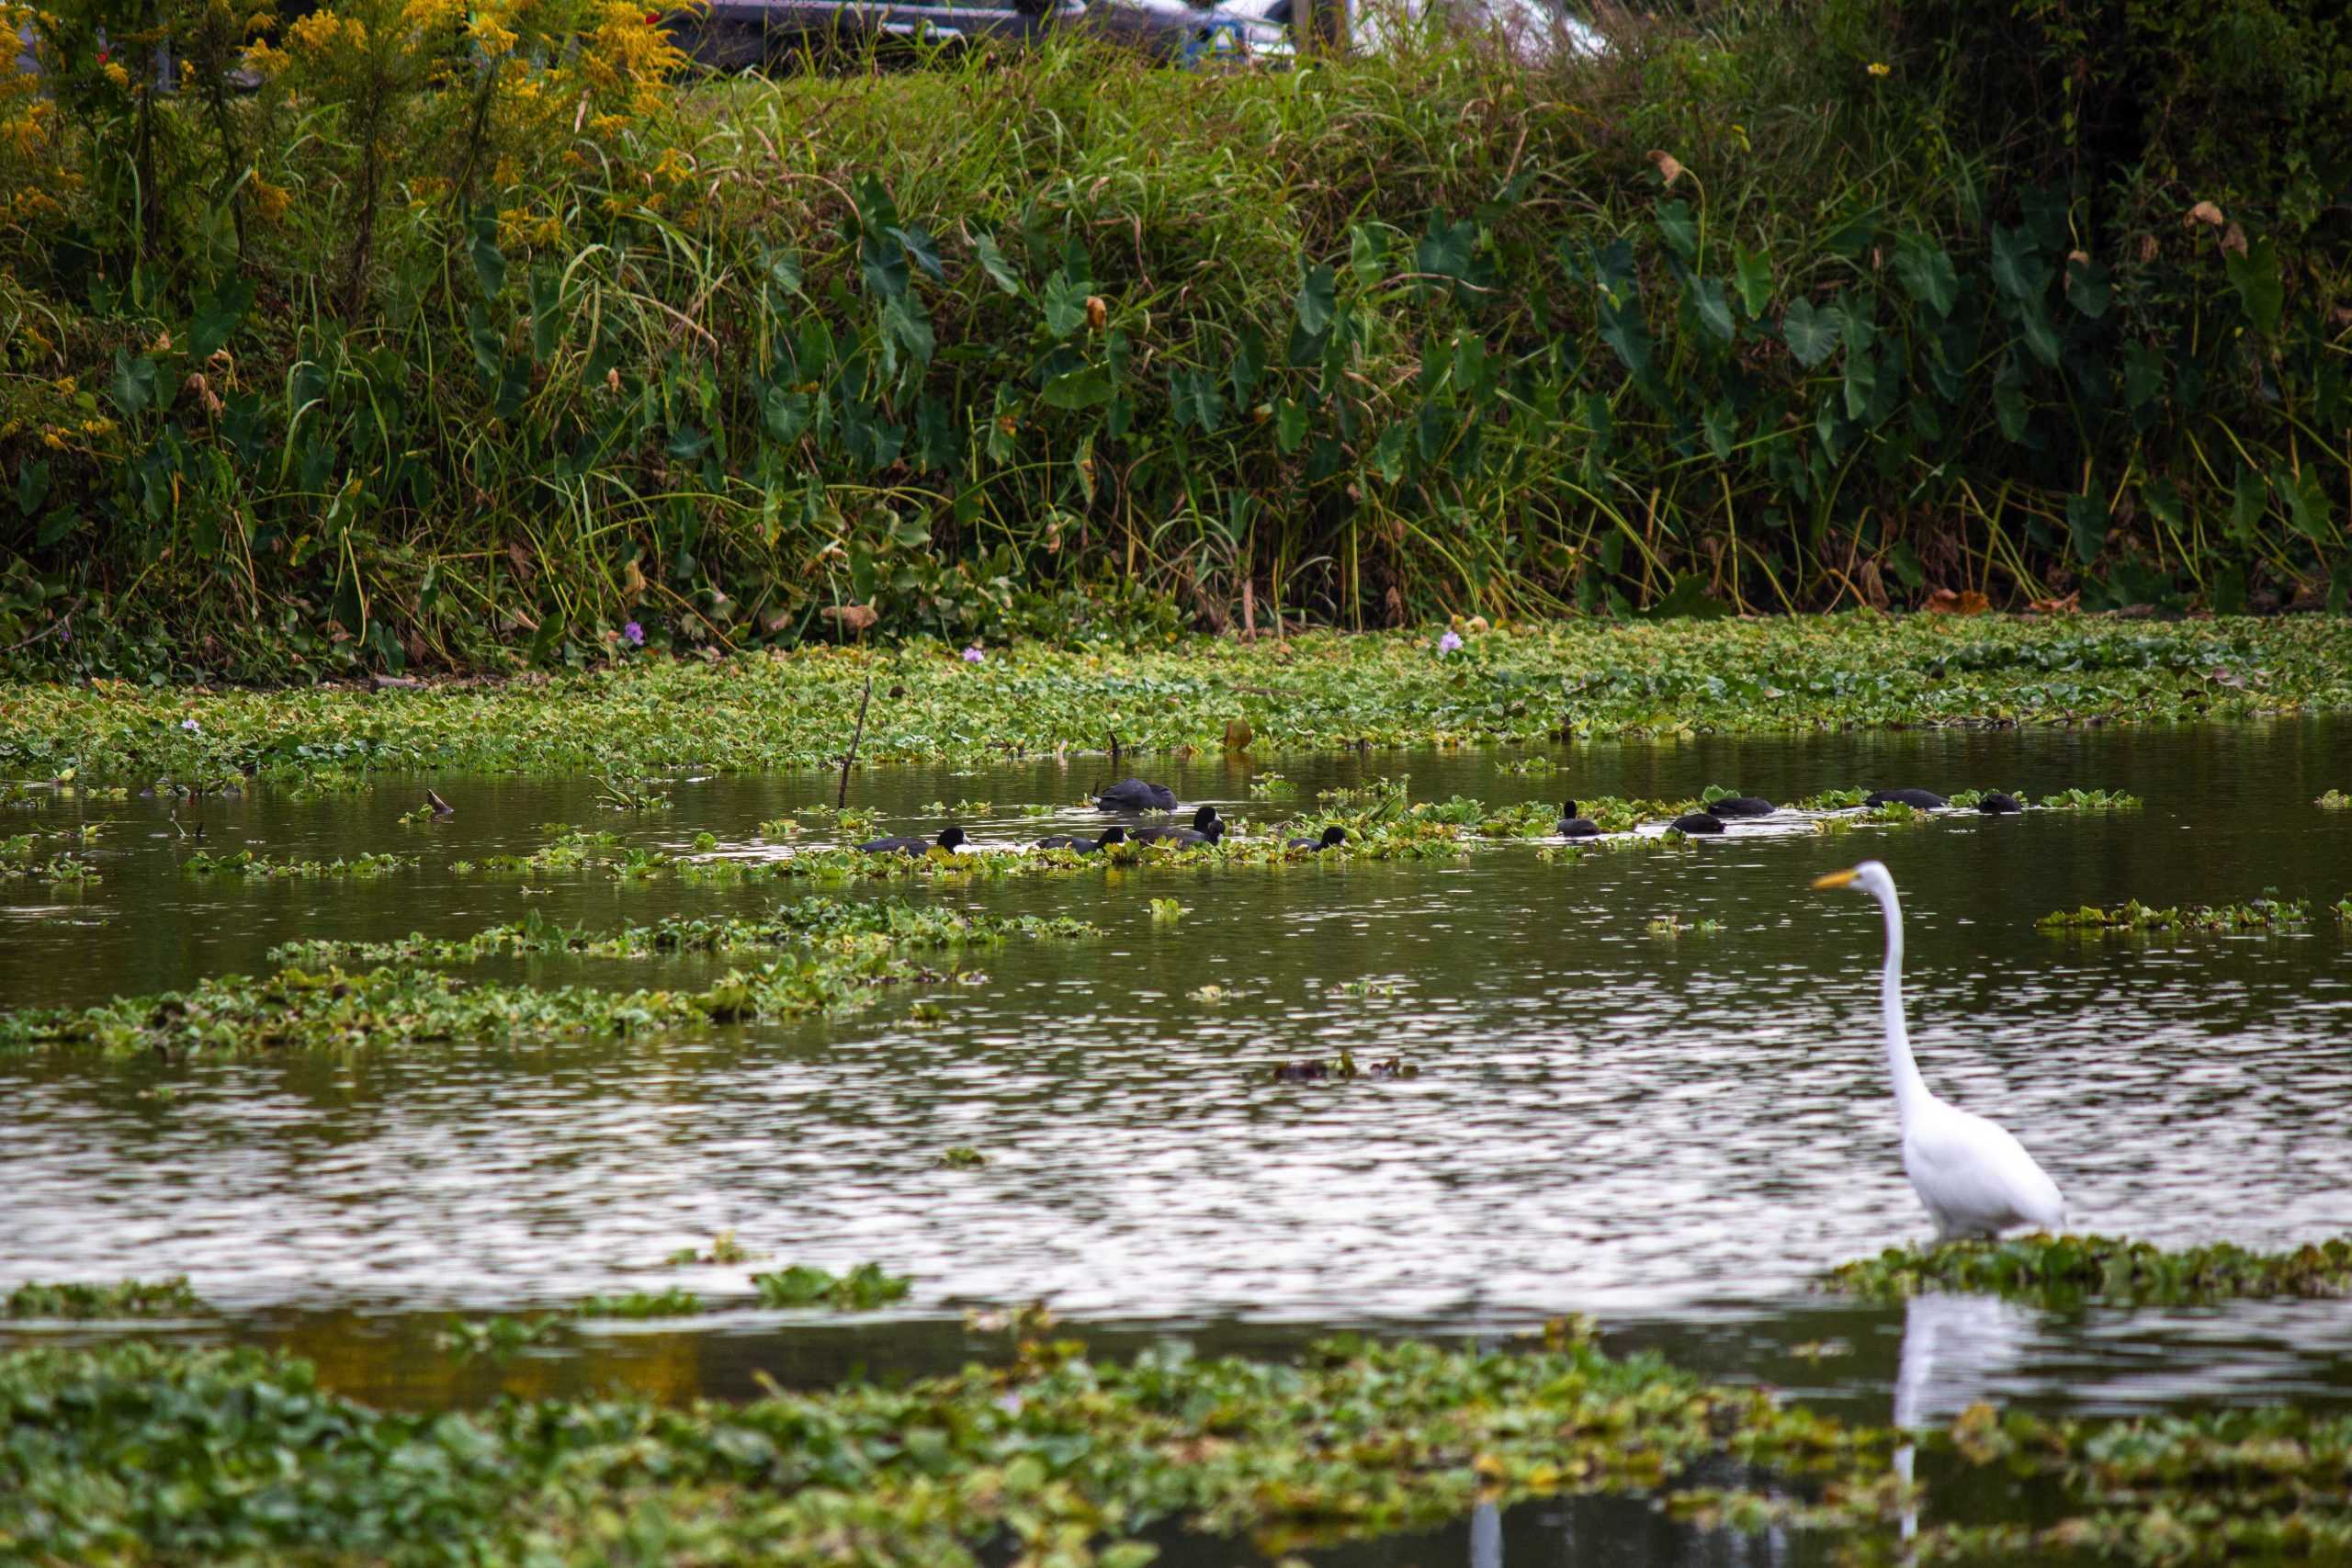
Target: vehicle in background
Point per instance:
(750, 35)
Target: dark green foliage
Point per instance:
(1384, 364)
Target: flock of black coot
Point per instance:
(1133, 796)
(1711, 819)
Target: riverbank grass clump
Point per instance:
(2109, 1270)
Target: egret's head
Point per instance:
(1869, 877)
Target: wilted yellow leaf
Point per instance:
(1670, 167)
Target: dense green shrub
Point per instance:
(1777, 308)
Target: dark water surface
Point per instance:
(1674, 1133)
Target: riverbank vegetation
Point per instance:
(1518, 684)
(474, 336)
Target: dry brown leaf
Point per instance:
(2065, 606)
(852, 617)
(2233, 240)
(1670, 167)
(632, 581)
(2205, 212)
(1237, 735)
(1097, 312)
(1956, 601)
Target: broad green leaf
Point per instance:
(1861, 381)
(2040, 336)
(2087, 525)
(1713, 307)
(1367, 253)
(2010, 409)
(1754, 278)
(1623, 329)
(908, 330)
(1678, 227)
(921, 249)
(1089, 388)
(490, 262)
(993, 263)
(1722, 426)
(1927, 272)
(2251, 500)
(2306, 503)
(783, 270)
(1317, 300)
(2144, 375)
(2019, 270)
(784, 414)
(1065, 303)
(1811, 333)
(2089, 289)
(217, 316)
(1290, 425)
(2254, 275)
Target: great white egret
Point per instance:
(1975, 1179)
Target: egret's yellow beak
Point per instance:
(1835, 879)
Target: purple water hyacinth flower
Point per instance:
(1449, 642)
(191, 727)
(976, 654)
(633, 635)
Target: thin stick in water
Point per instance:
(840, 801)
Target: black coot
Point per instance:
(1573, 824)
(1741, 806)
(1996, 804)
(1187, 838)
(1697, 822)
(1201, 821)
(1917, 799)
(1333, 837)
(949, 839)
(1135, 795)
(1084, 846)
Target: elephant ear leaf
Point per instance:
(1811, 333)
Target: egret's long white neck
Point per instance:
(1910, 1088)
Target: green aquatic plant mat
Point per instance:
(2131, 916)
(147, 1454)
(127, 1298)
(1324, 692)
(841, 925)
(2068, 1269)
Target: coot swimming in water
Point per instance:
(1917, 799)
(1741, 806)
(1697, 822)
(1201, 821)
(1997, 803)
(949, 839)
(1574, 824)
(1084, 846)
(1333, 837)
(1135, 795)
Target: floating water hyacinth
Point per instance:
(1449, 642)
(633, 635)
(976, 654)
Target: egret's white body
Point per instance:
(1974, 1179)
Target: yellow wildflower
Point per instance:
(115, 74)
(1880, 68)
(263, 61)
(269, 201)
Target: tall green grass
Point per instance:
(1764, 311)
